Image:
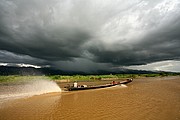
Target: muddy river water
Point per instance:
(143, 99)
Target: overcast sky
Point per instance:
(89, 35)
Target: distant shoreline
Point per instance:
(63, 80)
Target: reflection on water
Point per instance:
(143, 99)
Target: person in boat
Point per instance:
(75, 84)
(113, 82)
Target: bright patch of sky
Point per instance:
(28, 65)
(170, 65)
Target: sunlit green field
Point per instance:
(17, 78)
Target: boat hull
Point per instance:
(99, 86)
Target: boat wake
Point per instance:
(122, 85)
(119, 86)
(114, 87)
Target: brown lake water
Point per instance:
(143, 99)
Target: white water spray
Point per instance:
(28, 89)
(122, 85)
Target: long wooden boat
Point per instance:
(71, 88)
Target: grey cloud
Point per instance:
(28, 28)
(81, 64)
(159, 40)
(68, 33)
(11, 58)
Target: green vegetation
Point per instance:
(105, 77)
(16, 78)
(82, 77)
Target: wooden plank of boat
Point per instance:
(90, 87)
(125, 82)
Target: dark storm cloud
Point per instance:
(159, 45)
(13, 59)
(158, 40)
(67, 32)
(28, 28)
